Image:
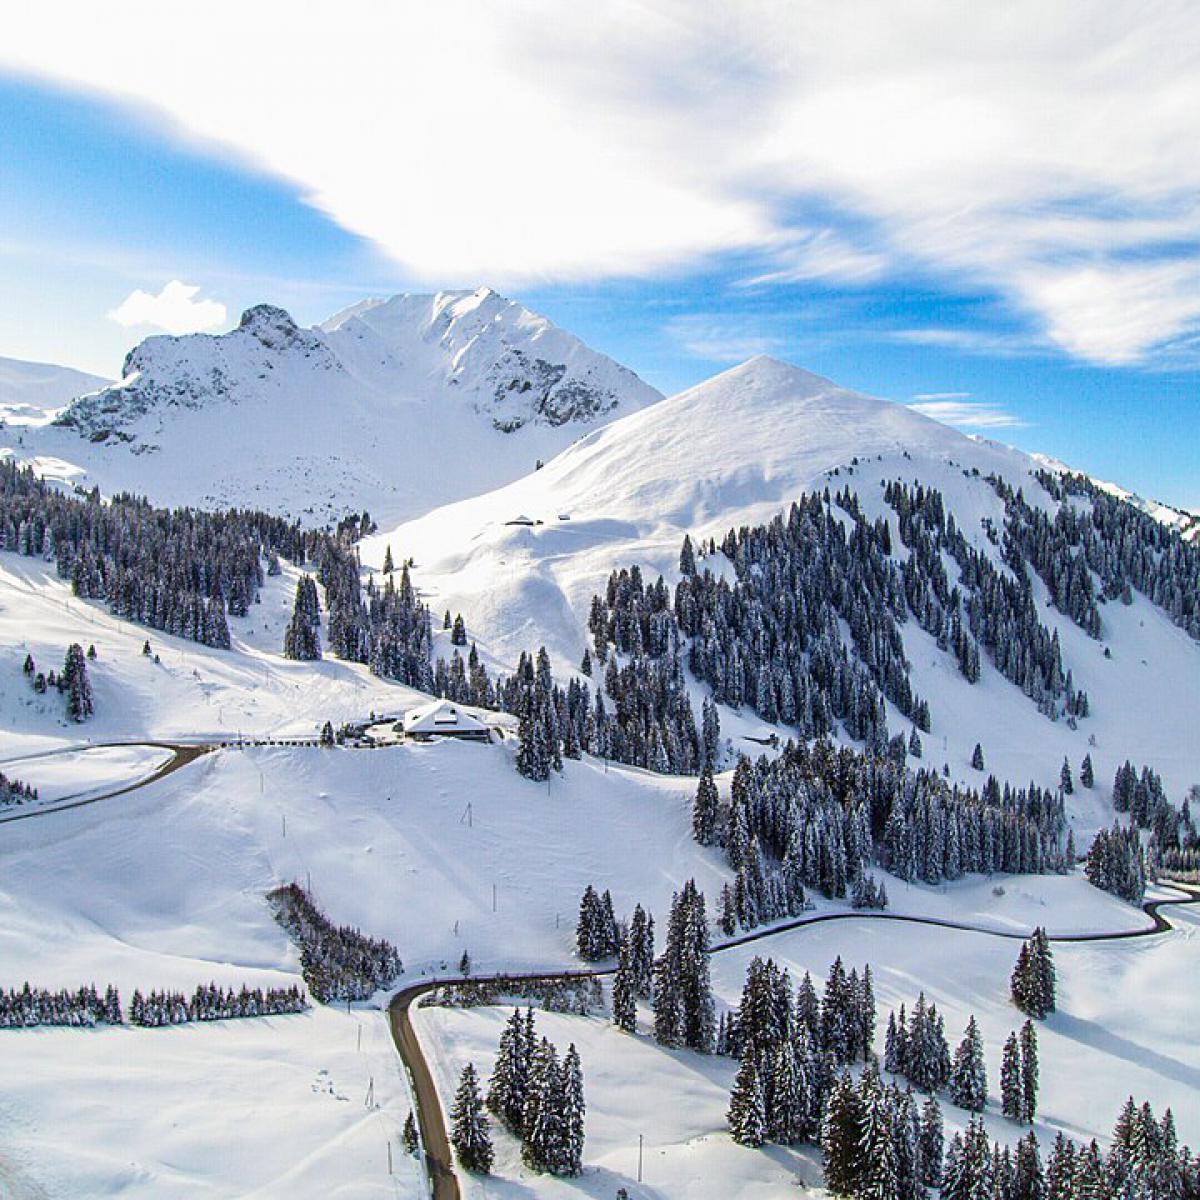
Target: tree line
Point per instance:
(338, 962)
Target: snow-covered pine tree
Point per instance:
(302, 638)
(508, 1090)
(977, 757)
(705, 809)
(1029, 1072)
(1012, 1092)
(931, 1139)
(78, 686)
(469, 1125)
(1029, 1180)
(409, 1136)
(570, 1158)
(624, 990)
(747, 1109)
(1064, 778)
(968, 1076)
(1087, 775)
(841, 1138)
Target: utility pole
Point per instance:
(493, 897)
(640, 1140)
(389, 1146)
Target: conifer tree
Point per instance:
(1029, 1072)
(704, 809)
(78, 686)
(388, 563)
(977, 757)
(544, 1120)
(841, 1135)
(411, 1141)
(624, 990)
(508, 1091)
(1012, 1094)
(931, 1141)
(469, 1125)
(1087, 777)
(302, 638)
(569, 1161)
(747, 1110)
(1029, 1180)
(968, 1076)
(1064, 778)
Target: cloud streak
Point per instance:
(950, 410)
(1044, 156)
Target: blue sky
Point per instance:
(1009, 235)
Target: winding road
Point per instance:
(435, 1141)
(181, 755)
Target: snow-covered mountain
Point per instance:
(29, 390)
(392, 405)
(523, 563)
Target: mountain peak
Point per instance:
(267, 317)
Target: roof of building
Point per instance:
(441, 716)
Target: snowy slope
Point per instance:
(737, 450)
(393, 406)
(29, 390)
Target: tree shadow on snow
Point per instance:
(1088, 1033)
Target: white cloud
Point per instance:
(175, 309)
(941, 396)
(715, 339)
(969, 413)
(1044, 153)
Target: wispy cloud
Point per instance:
(970, 414)
(719, 340)
(1047, 157)
(175, 309)
(927, 396)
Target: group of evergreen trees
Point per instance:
(27, 1007)
(1172, 830)
(13, 791)
(998, 606)
(581, 995)
(179, 570)
(634, 977)
(1019, 1075)
(1143, 1163)
(1117, 863)
(876, 1143)
(597, 933)
(338, 962)
(791, 1044)
(1034, 983)
(817, 816)
(72, 681)
(684, 1014)
(538, 1097)
(213, 1003)
(916, 1048)
(1126, 548)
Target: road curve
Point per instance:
(181, 754)
(435, 1142)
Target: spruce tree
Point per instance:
(469, 1125)
(968, 1076)
(1029, 1180)
(543, 1143)
(747, 1111)
(841, 1134)
(931, 1143)
(508, 1091)
(704, 809)
(411, 1141)
(624, 990)
(1087, 777)
(78, 686)
(570, 1158)
(1029, 1072)
(1064, 778)
(1012, 1093)
(977, 757)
